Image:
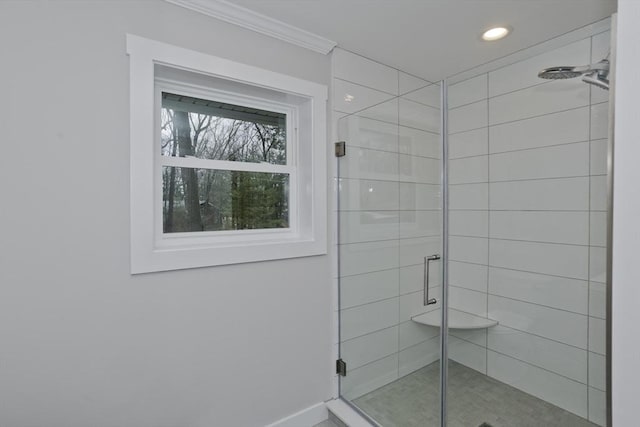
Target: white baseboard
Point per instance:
(308, 417)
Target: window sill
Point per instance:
(183, 257)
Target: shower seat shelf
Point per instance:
(457, 320)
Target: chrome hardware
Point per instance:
(427, 260)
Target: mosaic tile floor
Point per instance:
(474, 398)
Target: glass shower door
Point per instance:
(390, 241)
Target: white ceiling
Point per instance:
(433, 38)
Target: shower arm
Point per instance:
(597, 66)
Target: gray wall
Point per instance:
(82, 341)
(626, 227)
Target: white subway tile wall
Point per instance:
(351, 98)
(563, 194)
(467, 117)
(427, 95)
(542, 131)
(417, 142)
(523, 74)
(528, 227)
(542, 383)
(560, 161)
(468, 91)
(469, 223)
(469, 143)
(468, 170)
(386, 111)
(538, 100)
(468, 300)
(418, 356)
(370, 376)
(364, 72)
(468, 353)
(389, 217)
(415, 115)
(469, 276)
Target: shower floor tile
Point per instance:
(473, 399)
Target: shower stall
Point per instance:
(472, 238)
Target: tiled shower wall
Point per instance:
(389, 218)
(528, 224)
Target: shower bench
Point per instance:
(457, 320)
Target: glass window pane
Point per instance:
(216, 200)
(215, 130)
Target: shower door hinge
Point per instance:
(340, 149)
(341, 368)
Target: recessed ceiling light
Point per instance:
(495, 33)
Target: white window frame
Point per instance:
(290, 168)
(151, 248)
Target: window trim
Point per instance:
(307, 234)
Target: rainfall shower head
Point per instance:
(558, 73)
(595, 74)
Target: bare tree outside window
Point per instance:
(212, 199)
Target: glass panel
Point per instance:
(218, 131)
(217, 200)
(527, 236)
(390, 220)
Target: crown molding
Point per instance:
(243, 17)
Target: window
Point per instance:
(228, 161)
(224, 166)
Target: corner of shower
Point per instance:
(484, 194)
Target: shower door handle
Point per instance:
(427, 260)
